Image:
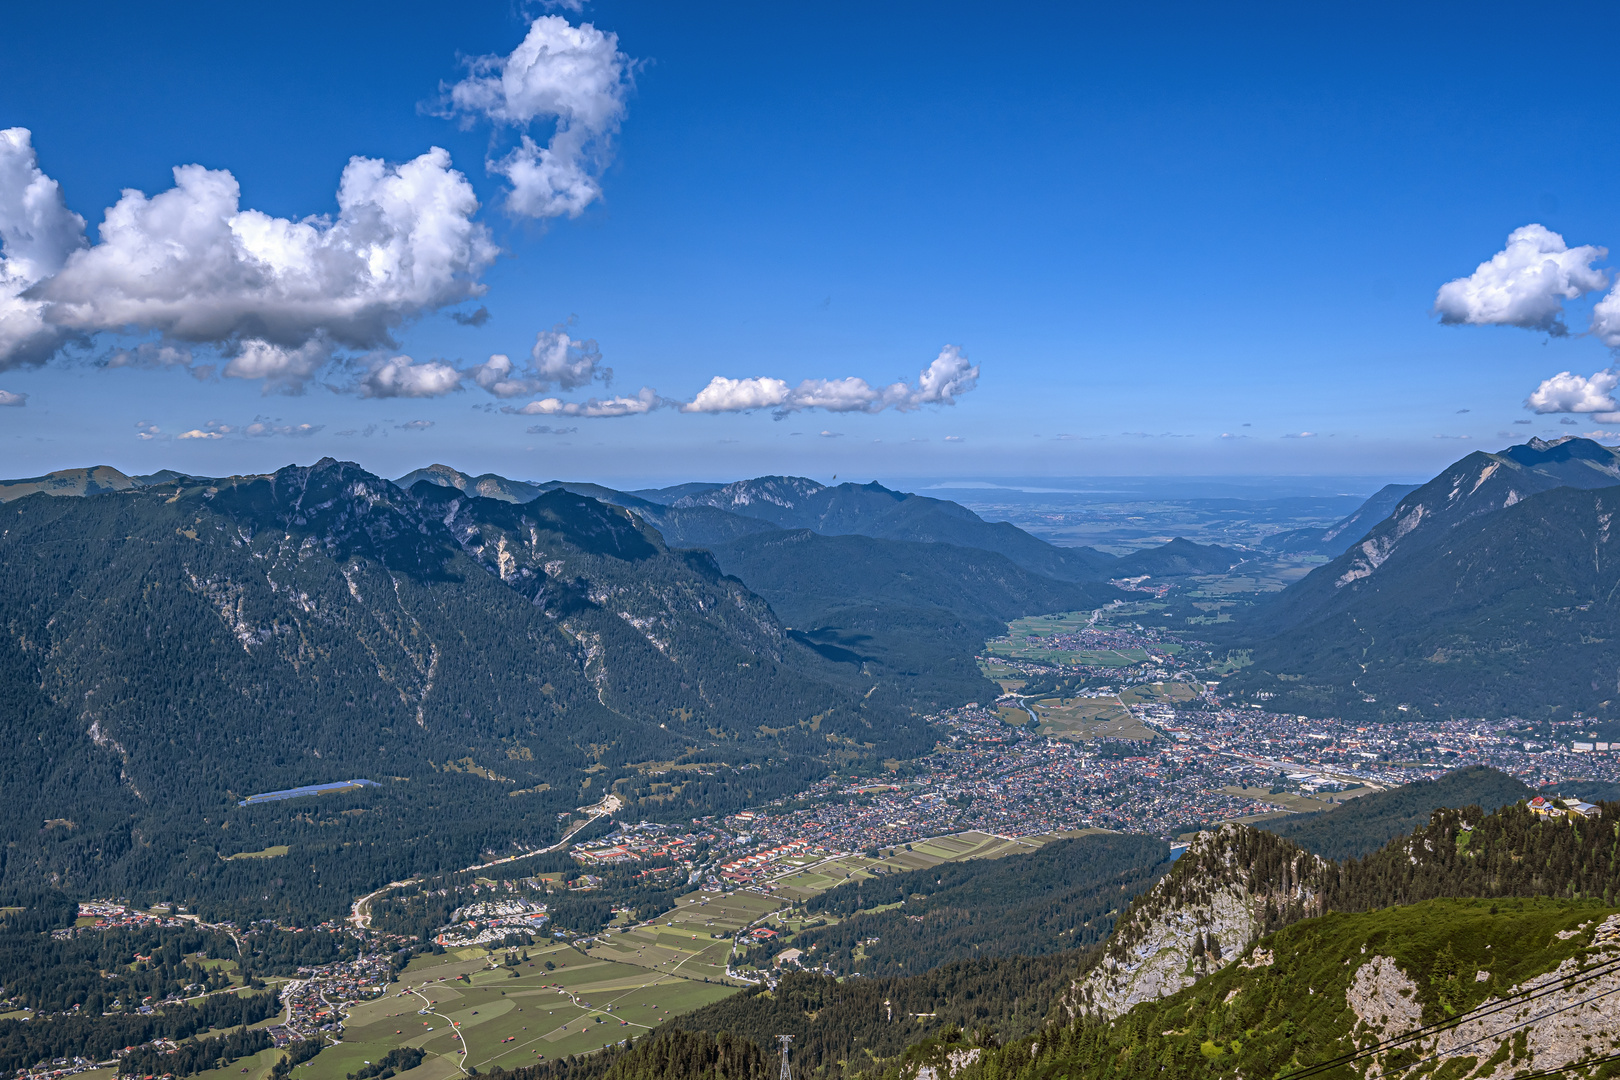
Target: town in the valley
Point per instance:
(1147, 746)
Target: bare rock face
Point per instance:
(1384, 999)
(1230, 887)
(1573, 1022)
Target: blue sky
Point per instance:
(1143, 229)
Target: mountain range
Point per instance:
(174, 647)
(1488, 591)
(493, 653)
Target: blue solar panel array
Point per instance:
(308, 789)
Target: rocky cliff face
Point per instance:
(1563, 1021)
(1231, 886)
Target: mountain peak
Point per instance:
(784, 491)
(91, 481)
(1538, 443)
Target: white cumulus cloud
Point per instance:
(947, 377)
(738, 395)
(400, 376)
(37, 234)
(1525, 284)
(275, 295)
(13, 400)
(1569, 393)
(573, 77)
(1606, 319)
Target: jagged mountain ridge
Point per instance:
(1229, 887)
(1479, 484)
(1511, 613)
(1237, 883)
(1487, 592)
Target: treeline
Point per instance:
(837, 1025)
(667, 1052)
(25, 1043)
(1512, 852)
(93, 970)
(195, 1056)
(1061, 897)
(1363, 825)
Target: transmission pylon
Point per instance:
(787, 1074)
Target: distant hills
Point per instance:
(92, 481)
(1336, 539)
(1178, 558)
(1488, 591)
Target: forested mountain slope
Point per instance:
(170, 649)
(1178, 558)
(1510, 613)
(1444, 987)
(793, 502)
(909, 614)
(1489, 591)
(1057, 899)
(1363, 825)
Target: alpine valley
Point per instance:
(318, 773)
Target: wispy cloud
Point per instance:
(646, 401)
(12, 400)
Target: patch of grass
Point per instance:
(274, 851)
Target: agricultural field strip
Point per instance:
(454, 1027)
(475, 993)
(554, 1035)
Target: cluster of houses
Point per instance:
(318, 999)
(486, 921)
(1563, 808)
